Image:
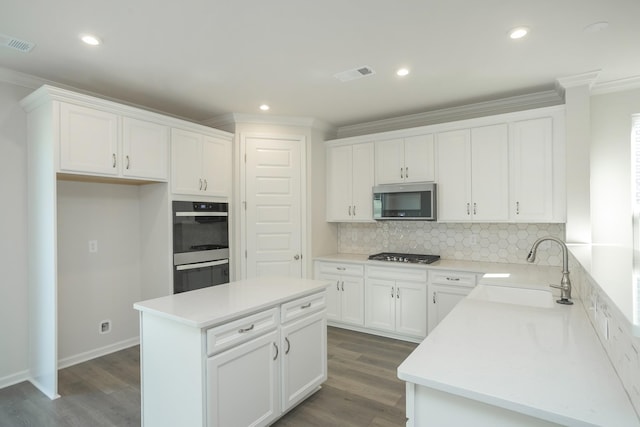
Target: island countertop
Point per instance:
(217, 304)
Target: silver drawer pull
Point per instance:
(307, 305)
(341, 268)
(243, 330)
(453, 279)
(288, 345)
(277, 351)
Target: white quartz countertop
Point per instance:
(217, 304)
(543, 362)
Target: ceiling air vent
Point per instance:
(354, 74)
(16, 44)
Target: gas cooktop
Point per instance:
(408, 258)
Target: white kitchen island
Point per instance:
(237, 354)
(495, 364)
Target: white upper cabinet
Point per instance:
(473, 174)
(531, 170)
(349, 182)
(200, 164)
(408, 159)
(145, 149)
(88, 140)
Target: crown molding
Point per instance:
(232, 119)
(629, 83)
(480, 109)
(21, 79)
(584, 79)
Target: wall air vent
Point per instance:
(356, 73)
(16, 44)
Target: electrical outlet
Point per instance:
(104, 327)
(93, 246)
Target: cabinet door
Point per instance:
(389, 161)
(419, 162)
(186, 162)
(145, 149)
(411, 308)
(216, 166)
(334, 297)
(362, 177)
(352, 300)
(531, 172)
(442, 299)
(243, 386)
(381, 304)
(88, 140)
(304, 358)
(454, 176)
(339, 183)
(490, 173)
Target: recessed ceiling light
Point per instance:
(90, 39)
(402, 72)
(264, 107)
(518, 33)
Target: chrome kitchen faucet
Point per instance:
(565, 283)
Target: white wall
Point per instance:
(93, 287)
(611, 208)
(13, 229)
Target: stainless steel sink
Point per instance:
(531, 297)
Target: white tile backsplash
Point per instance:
(466, 241)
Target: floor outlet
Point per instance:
(105, 326)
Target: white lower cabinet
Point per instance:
(446, 290)
(243, 384)
(396, 301)
(345, 296)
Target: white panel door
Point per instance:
(363, 177)
(389, 161)
(186, 162)
(145, 149)
(340, 183)
(273, 220)
(411, 308)
(490, 173)
(334, 297)
(216, 166)
(381, 304)
(352, 300)
(419, 162)
(442, 299)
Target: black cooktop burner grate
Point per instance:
(407, 258)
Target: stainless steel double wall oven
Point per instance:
(200, 245)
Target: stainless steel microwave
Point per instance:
(416, 201)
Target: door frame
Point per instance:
(239, 227)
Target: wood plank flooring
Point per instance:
(362, 390)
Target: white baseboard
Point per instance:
(12, 379)
(98, 352)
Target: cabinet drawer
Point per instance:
(303, 306)
(342, 269)
(238, 331)
(390, 273)
(452, 278)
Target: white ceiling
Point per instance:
(203, 58)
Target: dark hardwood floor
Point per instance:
(362, 390)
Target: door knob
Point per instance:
(296, 257)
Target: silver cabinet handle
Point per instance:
(406, 172)
(398, 293)
(243, 330)
(288, 345)
(468, 212)
(392, 292)
(337, 285)
(453, 279)
(113, 157)
(307, 305)
(517, 208)
(341, 268)
(475, 208)
(206, 184)
(401, 175)
(200, 184)
(277, 351)
(343, 286)
(354, 210)
(434, 297)
(349, 210)
(128, 162)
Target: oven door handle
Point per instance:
(202, 264)
(186, 214)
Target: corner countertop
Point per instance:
(543, 362)
(217, 304)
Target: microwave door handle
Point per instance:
(186, 214)
(202, 265)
